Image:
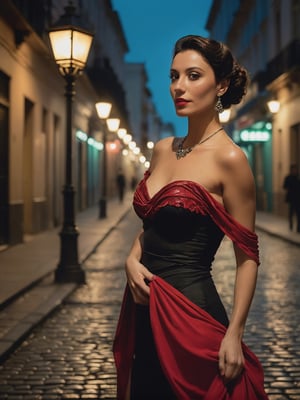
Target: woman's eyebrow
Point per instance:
(189, 69)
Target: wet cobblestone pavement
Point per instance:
(69, 355)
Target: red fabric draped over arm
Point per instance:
(188, 340)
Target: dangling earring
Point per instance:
(219, 105)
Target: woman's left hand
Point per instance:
(231, 357)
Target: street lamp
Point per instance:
(273, 106)
(224, 116)
(103, 110)
(112, 124)
(70, 46)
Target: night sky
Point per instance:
(151, 29)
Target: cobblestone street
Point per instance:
(69, 355)
(272, 330)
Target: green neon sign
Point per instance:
(258, 132)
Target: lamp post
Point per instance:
(70, 46)
(112, 125)
(103, 110)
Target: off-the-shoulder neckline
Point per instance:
(177, 182)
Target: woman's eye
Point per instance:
(193, 76)
(173, 77)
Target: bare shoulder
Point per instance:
(164, 144)
(232, 157)
(236, 172)
(161, 149)
(238, 186)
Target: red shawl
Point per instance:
(187, 338)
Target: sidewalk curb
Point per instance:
(273, 233)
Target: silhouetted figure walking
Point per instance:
(121, 183)
(292, 186)
(133, 182)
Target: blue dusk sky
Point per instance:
(151, 29)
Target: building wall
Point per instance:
(263, 36)
(37, 132)
(286, 139)
(36, 113)
(135, 83)
(30, 95)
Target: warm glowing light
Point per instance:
(274, 106)
(132, 145)
(142, 159)
(103, 109)
(127, 138)
(70, 48)
(150, 145)
(122, 132)
(70, 44)
(112, 146)
(225, 116)
(113, 124)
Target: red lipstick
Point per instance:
(180, 102)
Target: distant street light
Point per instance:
(70, 46)
(122, 132)
(103, 110)
(274, 106)
(225, 116)
(112, 125)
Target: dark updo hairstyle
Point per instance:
(225, 67)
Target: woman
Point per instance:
(197, 189)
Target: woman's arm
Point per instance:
(239, 201)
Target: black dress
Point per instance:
(178, 245)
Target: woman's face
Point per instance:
(193, 85)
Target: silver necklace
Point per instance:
(181, 152)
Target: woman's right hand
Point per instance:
(137, 277)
